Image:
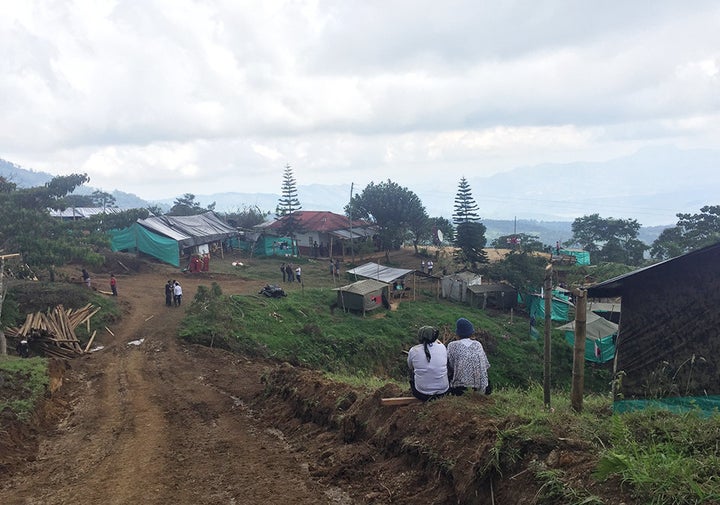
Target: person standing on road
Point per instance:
(177, 291)
(427, 362)
(169, 293)
(467, 363)
(113, 284)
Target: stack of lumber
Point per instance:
(53, 333)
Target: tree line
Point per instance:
(396, 211)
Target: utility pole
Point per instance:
(352, 244)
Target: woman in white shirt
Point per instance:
(427, 362)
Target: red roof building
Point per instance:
(324, 233)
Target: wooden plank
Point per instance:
(87, 347)
(400, 400)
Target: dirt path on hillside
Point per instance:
(152, 421)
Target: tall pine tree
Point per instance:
(469, 231)
(288, 204)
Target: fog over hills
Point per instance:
(652, 186)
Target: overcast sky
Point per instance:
(165, 97)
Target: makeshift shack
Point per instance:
(600, 337)
(454, 287)
(362, 296)
(668, 343)
(396, 277)
(496, 296)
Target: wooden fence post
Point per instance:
(578, 375)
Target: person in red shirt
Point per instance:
(113, 284)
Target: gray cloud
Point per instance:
(184, 96)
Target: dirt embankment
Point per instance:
(150, 420)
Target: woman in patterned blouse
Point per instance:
(467, 363)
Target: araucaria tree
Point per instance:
(469, 231)
(288, 204)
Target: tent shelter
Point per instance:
(559, 307)
(599, 337)
(362, 296)
(190, 234)
(668, 343)
(138, 239)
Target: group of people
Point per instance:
(437, 370)
(429, 265)
(199, 263)
(289, 274)
(88, 282)
(173, 293)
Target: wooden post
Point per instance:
(578, 376)
(3, 289)
(548, 328)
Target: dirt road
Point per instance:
(152, 421)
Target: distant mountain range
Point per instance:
(652, 186)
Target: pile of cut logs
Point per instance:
(53, 333)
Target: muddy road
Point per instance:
(149, 420)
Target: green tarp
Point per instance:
(268, 246)
(581, 257)
(706, 405)
(560, 309)
(137, 238)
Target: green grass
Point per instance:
(301, 329)
(665, 458)
(24, 382)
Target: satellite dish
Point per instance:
(439, 236)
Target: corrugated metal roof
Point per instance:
(83, 212)
(379, 272)
(190, 230)
(363, 287)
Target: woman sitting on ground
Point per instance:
(427, 362)
(467, 363)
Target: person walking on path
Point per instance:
(169, 293)
(86, 277)
(113, 284)
(177, 291)
(467, 363)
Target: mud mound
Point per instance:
(444, 451)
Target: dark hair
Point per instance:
(427, 335)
